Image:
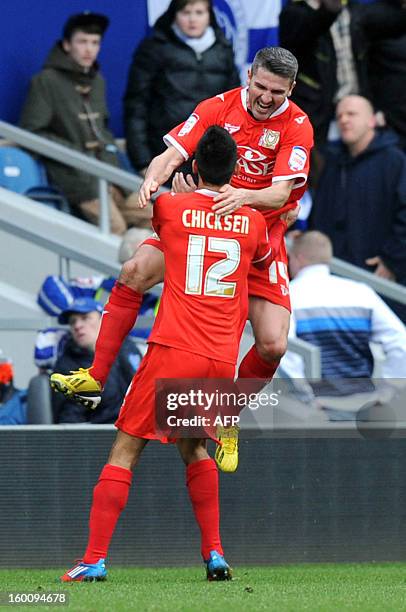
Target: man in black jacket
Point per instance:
(360, 202)
(387, 64)
(330, 39)
(84, 317)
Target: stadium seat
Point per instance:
(22, 173)
(39, 405)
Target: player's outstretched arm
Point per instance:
(159, 170)
(273, 198)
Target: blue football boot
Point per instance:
(217, 567)
(86, 572)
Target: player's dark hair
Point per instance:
(216, 156)
(277, 60)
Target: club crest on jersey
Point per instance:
(297, 159)
(269, 139)
(231, 129)
(189, 124)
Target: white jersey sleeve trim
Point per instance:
(301, 179)
(169, 140)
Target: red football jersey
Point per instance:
(207, 259)
(273, 150)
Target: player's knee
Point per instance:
(273, 349)
(134, 275)
(144, 270)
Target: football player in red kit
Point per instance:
(274, 139)
(196, 335)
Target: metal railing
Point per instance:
(105, 173)
(381, 285)
(33, 225)
(309, 352)
(311, 355)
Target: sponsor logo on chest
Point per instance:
(253, 162)
(269, 139)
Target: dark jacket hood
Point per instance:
(164, 23)
(383, 139)
(59, 60)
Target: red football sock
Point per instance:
(202, 482)
(109, 500)
(120, 314)
(254, 367)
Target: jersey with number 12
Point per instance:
(207, 259)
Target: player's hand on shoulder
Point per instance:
(148, 187)
(229, 200)
(290, 217)
(182, 183)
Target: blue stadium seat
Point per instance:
(19, 171)
(22, 173)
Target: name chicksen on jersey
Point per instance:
(191, 218)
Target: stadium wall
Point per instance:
(29, 29)
(291, 501)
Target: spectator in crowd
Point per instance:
(387, 64)
(67, 104)
(13, 402)
(130, 242)
(186, 60)
(84, 317)
(360, 202)
(341, 317)
(330, 38)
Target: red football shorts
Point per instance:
(271, 284)
(137, 415)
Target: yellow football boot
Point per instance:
(227, 454)
(80, 386)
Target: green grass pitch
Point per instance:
(317, 588)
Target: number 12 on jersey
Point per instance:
(212, 284)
